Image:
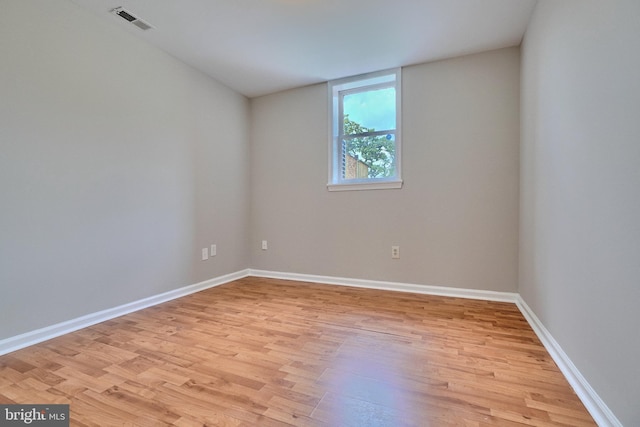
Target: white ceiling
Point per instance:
(262, 46)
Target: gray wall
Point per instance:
(117, 164)
(580, 193)
(456, 217)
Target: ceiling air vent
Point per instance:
(130, 17)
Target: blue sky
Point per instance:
(372, 109)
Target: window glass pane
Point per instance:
(369, 157)
(370, 111)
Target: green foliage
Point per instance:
(377, 152)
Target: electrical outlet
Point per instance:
(395, 252)
(264, 245)
(205, 254)
(213, 251)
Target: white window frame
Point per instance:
(363, 82)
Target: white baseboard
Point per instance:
(39, 335)
(594, 404)
(392, 286)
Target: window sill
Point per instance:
(379, 185)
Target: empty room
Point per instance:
(319, 213)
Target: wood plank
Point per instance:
(279, 353)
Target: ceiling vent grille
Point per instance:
(130, 17)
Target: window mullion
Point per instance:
(367, 88)
(340, 149)
(367, 134)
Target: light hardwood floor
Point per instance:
(272, 352)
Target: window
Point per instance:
(364, 150)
